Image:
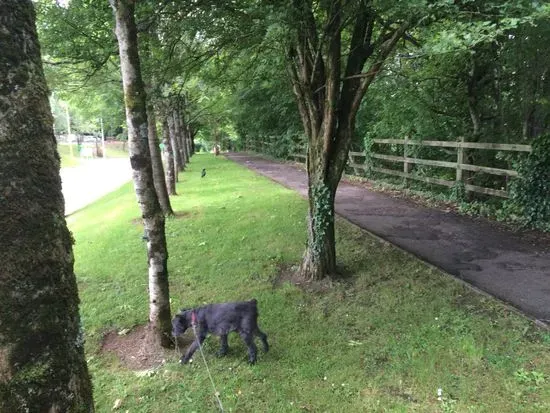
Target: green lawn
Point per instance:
(68, 160)
(383, 339)
(114, 150)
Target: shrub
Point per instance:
(531, 190)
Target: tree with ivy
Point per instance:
(336, 49)
(42, 363)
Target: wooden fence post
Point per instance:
(352, 162)
(459, 159)
(406, 165)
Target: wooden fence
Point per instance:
(458, 165)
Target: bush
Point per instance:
(531, 190)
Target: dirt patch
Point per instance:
(177, 215)
(137, 349)
(289, 273)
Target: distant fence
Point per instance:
(458, 165)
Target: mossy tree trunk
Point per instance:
(42, 363)
(329, 85)
(156, 162)
(140, 159)
(169, 159)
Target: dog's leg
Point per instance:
(263, 337)
(193, 347)
(224, 346)
(248, 338)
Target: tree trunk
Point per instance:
(190, 140)
(178, 162)
(319, 257)
(183, 132)
(179, 136)
(140, 159)
(192, 133)
(42, 363)
(189, 134)
(329, 93)
(169, 157)
(156, 161)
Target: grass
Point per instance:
(116, 149)
(68, 160)
(385, 338)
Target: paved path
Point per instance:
(511, 267)
(92, 179)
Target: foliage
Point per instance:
(81, 64)
(423, 331)
(68, 155)
(530, 191)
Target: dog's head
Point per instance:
(180, 323)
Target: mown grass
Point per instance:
(116, 149)
(383, 339)
(68, 160)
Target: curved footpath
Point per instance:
(494, 260)
(92, 179)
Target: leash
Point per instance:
(216, 392)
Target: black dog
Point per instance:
(220, 320)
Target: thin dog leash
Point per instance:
(216, 393)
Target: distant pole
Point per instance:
(103, 140)
(69, 129)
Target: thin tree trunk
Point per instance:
(183, 133)
(140, 159)
(42, 362)
(178, 162)
(192, 133)
(156, 161)
(179, 138)
(189, 140)
(169, 154)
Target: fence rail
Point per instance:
(459, 166)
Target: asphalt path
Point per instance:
(92, 179)
(507, 265)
